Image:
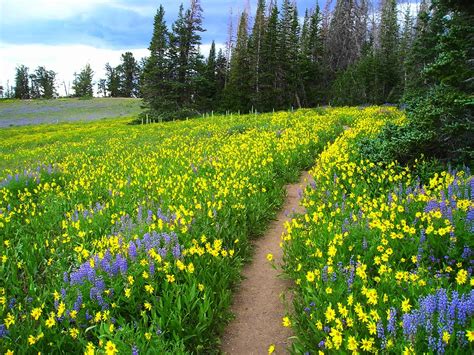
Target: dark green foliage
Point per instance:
(313, 76)
(255, 53)
(22, 89)
(388, 54)
(82, 84)
(173, 72)
(440, 125)
(269, 78)
(288, 55)
(438, 92)
(129, 72)
(156, 83)
(237, 94)
(43, 83)
(112, 80)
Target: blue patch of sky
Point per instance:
(123, 24)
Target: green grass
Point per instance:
(29, 112)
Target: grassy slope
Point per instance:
(27, 112)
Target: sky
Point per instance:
(64, 35)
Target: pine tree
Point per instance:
(129, 76)
(388, 53)
(43, 83)
(102, 87)
(207, 82)
(221, 76)
(113, 80)
(423, 51)
(406, 41)
(311, 66)
(270, 78)
(238, 91)
(22, 89)
(82, 84)
(288, 54)
(346, 33)
(255, 53)
(186, 60)
(156, 83)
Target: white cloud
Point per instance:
(65, 60)
(46, 9)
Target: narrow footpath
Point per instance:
(258, 302)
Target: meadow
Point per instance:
(32, 112)
(117, 238)
(383, 258)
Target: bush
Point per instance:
(440, 126)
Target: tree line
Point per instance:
(350, 52)
(120, 81)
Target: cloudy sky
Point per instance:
(64, 35)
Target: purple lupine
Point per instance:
(3, 331)
(12, 303)
(466, 253)
(176, 251)
(78, 303)
(122, 263)
(135, 350)
(391, 326)
(324, 274)
(410, 324)
(149, 218)
(132, 250)
(139, 214)
(380, 331)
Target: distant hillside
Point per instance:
(28, 112)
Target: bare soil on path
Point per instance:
(258, 302)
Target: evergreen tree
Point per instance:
(238, 91)
(186, 60)
(82, 84)
(221, 76)
(255, 53)
(129, 76)
(346, 33)
(102, 87)
(22, 89)
(270, 77)
(157, 86)
(207, 82)
(113, 80)
(311, 68)
(423, 51)
(406, 42)
(388, 52)
(43, 83)
(288, 54)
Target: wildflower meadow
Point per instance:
(383, 257)
(130, 238)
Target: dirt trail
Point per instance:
(257, 304)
